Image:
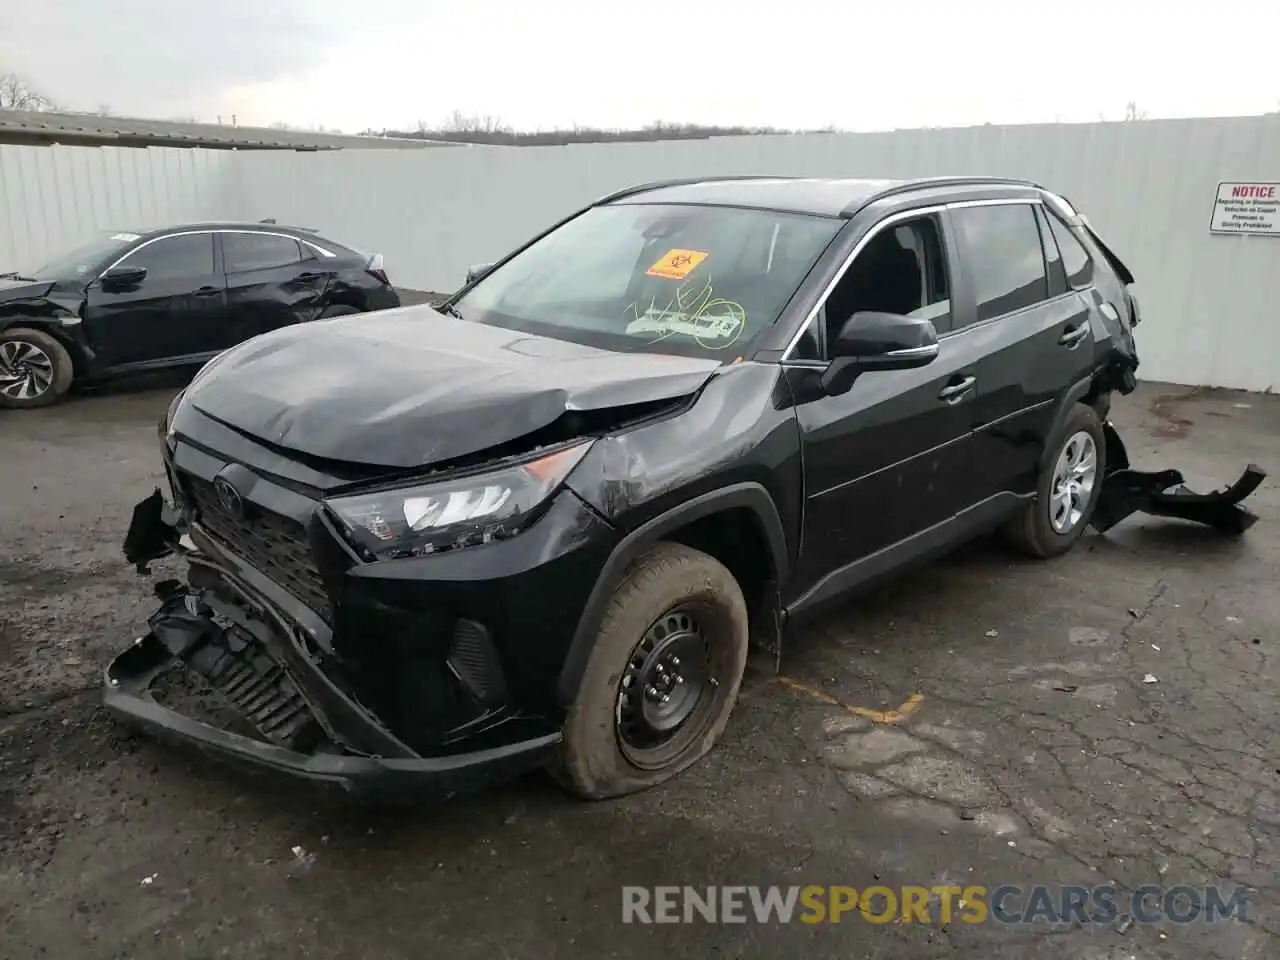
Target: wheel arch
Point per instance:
(739, 525)
(1086, 390)
(53, 327)
(347, 303)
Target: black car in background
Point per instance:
(132, 302)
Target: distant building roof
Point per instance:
(86, 129)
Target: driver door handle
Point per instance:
(954, 392)
(310, 276)
(206, 291)
(1074, 335)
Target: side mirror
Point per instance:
(878, 341)
(121, 278)
(477, 271)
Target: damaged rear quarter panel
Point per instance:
(741, 428)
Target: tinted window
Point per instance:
(1052, 257)
(186, 255)
(1001, 245)
(693, 280)
(1074, 256)
(258, 251)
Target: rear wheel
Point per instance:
(1068, 491)
(662, 677)
(35, 369)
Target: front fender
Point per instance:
(751, 496)
(55, 320)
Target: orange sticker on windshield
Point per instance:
(677, 264)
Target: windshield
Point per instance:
(692, 280)
(85, 260)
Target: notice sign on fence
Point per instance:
(1252, 208)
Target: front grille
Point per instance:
(275, 545)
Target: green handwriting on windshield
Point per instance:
(693, 311)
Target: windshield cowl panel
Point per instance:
(698, 281)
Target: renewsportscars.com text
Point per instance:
(1005, 904)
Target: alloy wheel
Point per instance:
(26, 371)
(1074, 477)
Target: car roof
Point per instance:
(817, 196)
(302, 233)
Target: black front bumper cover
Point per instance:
(218, 629)
(128, 683)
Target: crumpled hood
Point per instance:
(412, 387)
(11, 289)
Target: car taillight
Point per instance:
(376, 270)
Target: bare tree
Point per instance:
(485, 123)
(1131, 112)
(17, 94)
(488, 128)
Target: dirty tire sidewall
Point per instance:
(63, 369)
(1031, 532)
(591, 763)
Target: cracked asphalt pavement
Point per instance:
(1040, 752)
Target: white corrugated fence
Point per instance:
(1211, 303)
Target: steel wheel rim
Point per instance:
(1074, 477)
(26, 371)
(667, 690)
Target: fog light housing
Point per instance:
(473, 660)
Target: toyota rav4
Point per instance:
(544, 528)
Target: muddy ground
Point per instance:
(1036, 754)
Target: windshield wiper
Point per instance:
(450, 310)
(15, 275)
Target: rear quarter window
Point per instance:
(1075, 258)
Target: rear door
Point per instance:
(177, 310)
(1032, 329)
(272, 281)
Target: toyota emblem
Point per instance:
(228, 496)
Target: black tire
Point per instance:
(669, 594)
(40, 364)
(340, 310)
(1034, 531)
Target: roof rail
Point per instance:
(682, 182)
(922, 183)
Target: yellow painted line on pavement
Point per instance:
(911, 705)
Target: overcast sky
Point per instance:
(855, 64)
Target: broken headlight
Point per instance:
(457, 512)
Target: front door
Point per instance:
(888, 459)
(176, 310)
(272, 281)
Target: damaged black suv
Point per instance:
(543, 528)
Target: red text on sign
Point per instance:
(1254, 190)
